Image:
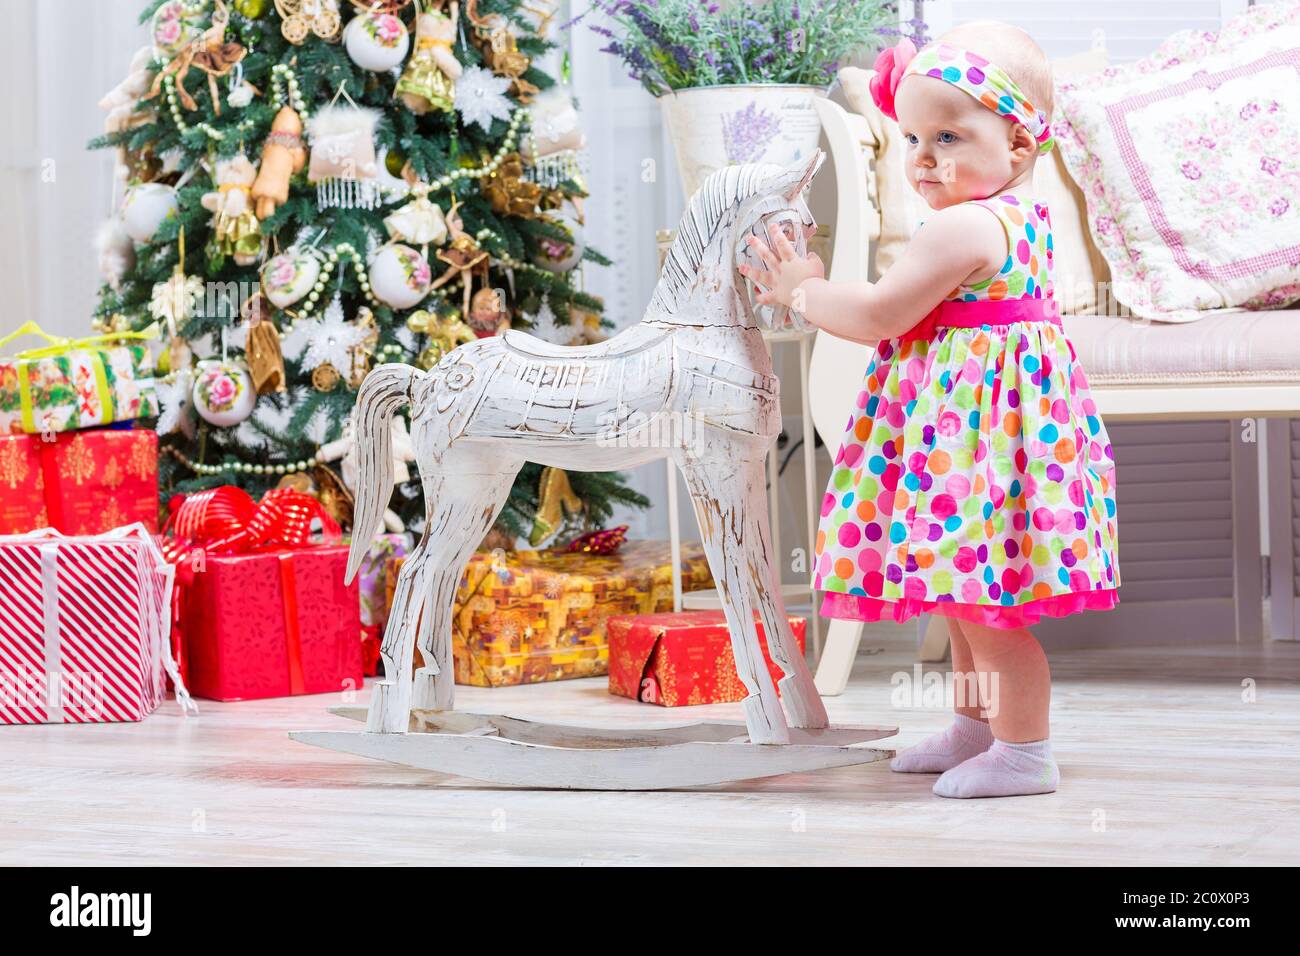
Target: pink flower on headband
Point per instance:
(890, 66)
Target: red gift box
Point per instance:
(270, 623)
(680, 658)
(83, 628)
(22, 485)
(80, 482)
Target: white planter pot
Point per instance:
(716, 126)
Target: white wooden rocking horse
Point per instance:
(692, 380)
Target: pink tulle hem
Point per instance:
(857, 607)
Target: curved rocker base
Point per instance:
(506, 750)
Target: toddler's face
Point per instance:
(957, 149)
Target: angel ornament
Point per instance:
(429, 80)
(463, 257)
(344, 451)
(419, 222)
(234, 223)
(500, 50)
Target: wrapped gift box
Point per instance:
(527, 616)
(683, 658)
(85, 628)
(84, 482)
(76, 384)
(372, 582)
(22, 485)
(270, 623)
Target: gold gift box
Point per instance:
(522, 617)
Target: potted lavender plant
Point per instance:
(737, 78)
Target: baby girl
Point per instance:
(975, 479)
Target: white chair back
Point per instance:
(837, 365)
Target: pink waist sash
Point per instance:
(971, 315)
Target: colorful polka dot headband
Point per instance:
(967, 71)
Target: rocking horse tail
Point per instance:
(386, 389)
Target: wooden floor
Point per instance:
(1162, 762)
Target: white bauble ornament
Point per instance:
(223, 392)
(288, 277)
(556, 255)
(400, 276)
(145, 207)
(377, 41)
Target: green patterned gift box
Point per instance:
(76, 383)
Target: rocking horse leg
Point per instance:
(802, 702)
(719, 502)
(462, 509)
(390, 699)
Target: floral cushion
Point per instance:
(1190, 164)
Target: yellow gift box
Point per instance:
(522, 617)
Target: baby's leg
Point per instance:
(967, 736)
(1016, 690)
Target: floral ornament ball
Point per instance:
(558, 255)
(288, 277)
(377, 41)
(400, 276)
(175, 24)
(223, 393)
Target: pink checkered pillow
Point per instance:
(1190, 164)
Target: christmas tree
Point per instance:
(313, 186)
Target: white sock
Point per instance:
(946, 749)
(1004, 770)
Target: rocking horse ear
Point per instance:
(806, 169)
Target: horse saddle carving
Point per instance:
(627, 342)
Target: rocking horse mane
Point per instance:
(724, 189)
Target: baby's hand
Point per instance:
(787, 269)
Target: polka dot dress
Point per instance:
(975, 478)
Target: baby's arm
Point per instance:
(959, 244)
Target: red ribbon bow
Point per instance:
(227, 520)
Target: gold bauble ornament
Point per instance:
(394, 162)
(420, 321)
(253, 9)
(298, 481)
(325, 378)
(445, 333)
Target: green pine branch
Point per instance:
(434, 144)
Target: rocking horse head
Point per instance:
(700, 284)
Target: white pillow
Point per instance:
(1190, 164)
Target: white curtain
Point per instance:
(60, 57)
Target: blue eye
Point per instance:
(911, 138)
(946, 137)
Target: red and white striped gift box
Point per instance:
(84, 627)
